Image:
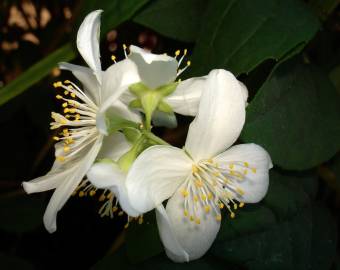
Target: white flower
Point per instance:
(81, 140)
(203, 177)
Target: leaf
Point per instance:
(239, 35)
(9, 262)
(305, 241)
(21, 213)
(36, 73)
(115, 13)
(295, 117)
(285, 196)
(177, 19)
(140, 234)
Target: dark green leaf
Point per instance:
(21, 213)
(324, 239)
(36, 73)
(239, 35)
(295, 116)
(140, 234)
(9, 262)
(177, 19)
(285, 197)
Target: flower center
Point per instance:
(212, 187)
(78, 120)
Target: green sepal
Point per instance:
(164, 107)
(132, 134)
(115, 123)
(135, 104)
(126, 160)
(150, 103)
(138, 89)
(167, 89)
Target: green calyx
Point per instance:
(151, 100)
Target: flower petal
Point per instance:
(256, 161)
(220, 117)
(65, 189)
(114, 146)
(154, 69)
(155, 175)
(88, 42)
(194, 238)
(86, 77)
(185, 99)
(108, 175)
(117, 78)
(173, 248)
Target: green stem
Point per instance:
(154, 138)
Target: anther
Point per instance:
(232, 215)
(114, 209)
(241, 204)
(188, 63)
(197, 221)
(177, 53)
(60, 158)
(218, 217)
(207, 208)
(253, 170)
(58, 97)
(66, 149)
(56, 138)
(81, 193)
(140, 220)
(186, 213)
(92, 193)
(185, 193)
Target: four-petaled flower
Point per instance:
(204, 177)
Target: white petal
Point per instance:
(115, 108)
(220, 117)
(117, 78)
(114, 146)
(173, 248)
(154, 69)
(244, 92)
(108, 175)
(71, 181)
(194, 238)
(86, 77)
(256, 181)
(185, 99)
(88, 42)
(155, 175)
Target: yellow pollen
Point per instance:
(65, 104)
(66, 110)
(241, 204)
(58, 97)
(186, 213)
(73, 95)
(210, 160)
(188, 63)
(81, 194)
(195, 198)
(185, 193)
(192, 218)
(210, 196)
(246, 164)
(124, 47)
(92, 193)
(235, 206)
(218, 217)
(245, 172)
(203, 197)
(207, 208)
(113, 58)
(197, 221)
(57, 84)
(66, 149)
(240, 191)
(56, 138)
(232, 215)
(253, 170)
(66, 92)
(185, 51)
(221, 205)
(178, 52)
(194, 169)
(231, 166)
(72, 110)
(198, 183)
(67, 81)
(216, 174)
(60, 158)
(114, 209)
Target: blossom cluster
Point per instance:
(106, 138)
